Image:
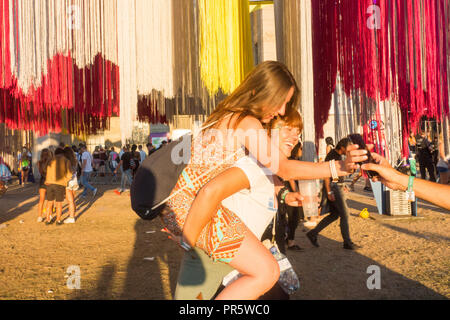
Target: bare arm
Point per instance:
(208, 200)
(267, 152)
(435, 193)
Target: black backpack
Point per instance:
(157, 176)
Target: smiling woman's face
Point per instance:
(288, 138)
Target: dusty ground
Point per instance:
(109, 244)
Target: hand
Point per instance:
(331, 197)
(354, 155)
(388, 175)
(294, 199)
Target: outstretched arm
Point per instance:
(268, 154)
(435, 193)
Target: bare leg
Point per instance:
(259, 269)
(71, 201)
(49, 210)
(58, 211)
(42, 193)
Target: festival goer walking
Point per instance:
(24, 165)
(135, 160)
(424, 156)
(59, 173)
(113, 159)
(333, 199)
(86, 170)
(194, 210)
(72, 185)
(46, 157)
(142, 154)
(125, 165)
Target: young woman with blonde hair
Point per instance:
(46, 157)
(194, 209)
(72, 185)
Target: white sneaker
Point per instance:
(310, 224)
(69, 220)
(95, 192)
(40, 219)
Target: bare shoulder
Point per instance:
(250, 122)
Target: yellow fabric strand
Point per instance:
(225, 43)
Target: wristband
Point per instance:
(410, 192)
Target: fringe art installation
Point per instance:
(394, 50)
(204, 52)
(58, 65)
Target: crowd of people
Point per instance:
(64, 169)
(429, 154)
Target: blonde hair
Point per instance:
(266, 86)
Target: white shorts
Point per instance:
(73, 184)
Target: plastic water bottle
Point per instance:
(288, 278)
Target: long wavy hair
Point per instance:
(69, 154)
(262, 92)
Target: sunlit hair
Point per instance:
(46, 157)
(69, 154)
(291, 118)
(263, 91)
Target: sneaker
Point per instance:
(118, 192)
(310, 224)
(40, 219)
(59, 222)
(69, 220)
(95, 192)
(313, 238)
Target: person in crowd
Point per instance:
(142, 153)
(125, 165)
(293, 213)
(103, 159)
(59, 173)
(412, 144)
(135, 160)
(113, 159)
(358, 175)
(442, 165)
(435, 193)
(46, 157)
(5, 176)
(96, 157)
(24, 167)
(87, 163)
(330, 144)
(195, 212)
(72, 185)
(424, 156)
(334, 202)
(202, 273)
(150, 148)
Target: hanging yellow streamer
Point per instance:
(225, 44)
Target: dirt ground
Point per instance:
(109, 243)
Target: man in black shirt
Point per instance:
(334, 202)
(424, 156)
(126, 169)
